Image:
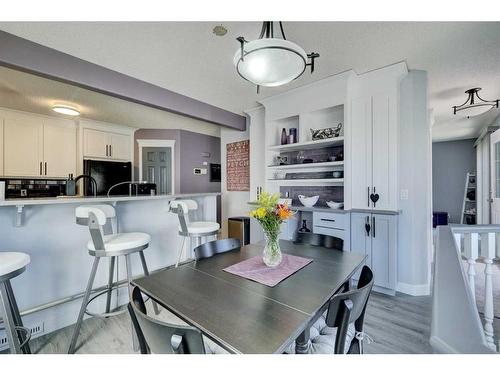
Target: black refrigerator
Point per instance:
(107, 174)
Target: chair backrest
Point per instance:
(315, 239)
(182, 208)
(209, 249)
(96, 218)
(348, 307)
(160, 337)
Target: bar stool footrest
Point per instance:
(116, 311)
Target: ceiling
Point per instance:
(188, 58)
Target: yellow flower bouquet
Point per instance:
(271, 214)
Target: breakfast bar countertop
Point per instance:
(99, 199)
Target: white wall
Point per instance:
(415, 157)
(234, 203)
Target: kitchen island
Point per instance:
(45, 228)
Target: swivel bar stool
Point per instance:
(11, 265)
(113, 245)
(196, 230)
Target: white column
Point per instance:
(488, 253)
(471, 253)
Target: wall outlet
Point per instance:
(36, 330)
(403, 194)
(200, 171)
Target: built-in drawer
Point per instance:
(329, 220)
(339, 233)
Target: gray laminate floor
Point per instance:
(397, 324)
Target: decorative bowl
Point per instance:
(335, 205)
(308, 201)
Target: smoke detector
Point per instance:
(220, 30)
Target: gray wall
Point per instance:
(450, 163)
(189, 149)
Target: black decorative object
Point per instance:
(293, 131)
(284, 137)
(304, 228)
(326, 133)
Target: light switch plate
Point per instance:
(403, 194)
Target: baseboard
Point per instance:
(414, 289)
(441, 347)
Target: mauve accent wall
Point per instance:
(191, 151)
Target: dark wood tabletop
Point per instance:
(244, 316)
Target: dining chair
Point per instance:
(340, 329)
(315, 239)
(156, 336)
(209, 249)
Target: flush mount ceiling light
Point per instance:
(475, 105)
(66, 110)
(270, 61)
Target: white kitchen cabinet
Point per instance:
(59, 149)
(23, 146)
(36, 146)
(106, 145)
(1, 147)
(375, 236)
(332, 224)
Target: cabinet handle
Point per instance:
(106, 150)
(373, 226)
(367, 226)
(40, 168)
(110, 151)
(333, 221)
(368, 196)
(45, 168)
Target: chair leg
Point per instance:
(85, 301)
(128, 265)
(17, 317)
(181, 251)
(10, 327)
(110, 283)
(146, 273)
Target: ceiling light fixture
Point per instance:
(475, 105)
(66, 110)
(269, 61)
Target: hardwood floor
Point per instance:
(398, 324)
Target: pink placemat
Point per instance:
(256, 270)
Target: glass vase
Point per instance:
(272, 253)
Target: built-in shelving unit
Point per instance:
(309, 145)
(308, 165)
(307, 182)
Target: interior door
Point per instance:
(59, 150)
(495, 177)
(361, 151)
(96, 143)
(157, 168)
(120, 147)
(23, 146)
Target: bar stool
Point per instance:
(101, 245)
(196, 230)
(11, 265)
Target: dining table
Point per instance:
(244, 316)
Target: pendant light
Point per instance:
(475, 105)
(270, 61)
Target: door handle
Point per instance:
(373, 226)
(45, 168)
(40, 168)
(367, 226)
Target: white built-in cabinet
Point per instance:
(375, 235)
(106, 145)
(35, 146)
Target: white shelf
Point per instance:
(308, 165)
(308, 182)
(310, 145)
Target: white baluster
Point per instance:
(471, 253)
(488, 249)
(458, 241)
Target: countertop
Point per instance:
(81, 199)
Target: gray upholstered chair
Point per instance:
(159, 337)
(209, 249)
(340, 329)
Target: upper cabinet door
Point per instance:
(23, 146)
(95, 143)
(384, 159)
(120, 147)
(361, 152)
(59, 146)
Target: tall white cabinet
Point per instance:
(38, 146)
